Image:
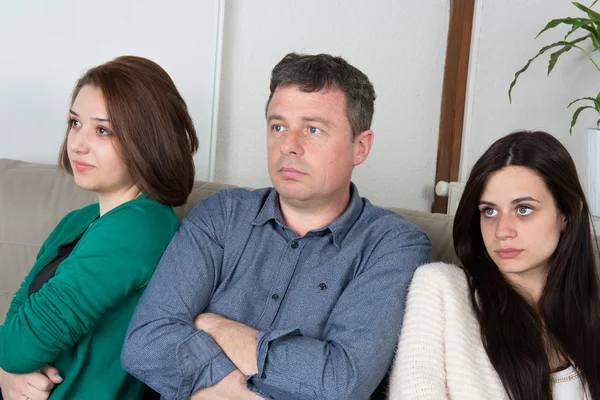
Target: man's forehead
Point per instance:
(293, 97)
(325, 89)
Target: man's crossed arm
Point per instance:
(238, 342)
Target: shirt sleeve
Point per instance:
(419, 368)
(162, 347)
(361, 333)
(117, 255)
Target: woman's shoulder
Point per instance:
(75, 219)
(143, 221)
(440, 272)
(441, 278)
(142, 212)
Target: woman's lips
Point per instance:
(82, 166)
(508, 253)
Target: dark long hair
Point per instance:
(151, 122)
(515, 333)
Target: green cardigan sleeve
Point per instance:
(117, 255)
(19, 299)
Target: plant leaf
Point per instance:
(542, 51)
(595, 17)
(581, 99)
(582, 23)
(594, 100)
(575, 116)
(595, 40)
(575, 22)
(554, 57)
(591, 13)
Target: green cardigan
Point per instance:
(77, 321)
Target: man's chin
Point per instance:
(292, 191)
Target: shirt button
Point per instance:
(263, 376)
(294, 245)
(275, 297)
(322, 286)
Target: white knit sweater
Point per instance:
(440, 353)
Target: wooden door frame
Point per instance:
(453, 96)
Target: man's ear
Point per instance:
(362, 146)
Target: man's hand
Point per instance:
(237, 340)
(232, 387)
(34, 386)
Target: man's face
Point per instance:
(311, 153)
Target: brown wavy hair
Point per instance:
(150, 120)
(515, 334)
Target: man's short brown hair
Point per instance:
(312, 73)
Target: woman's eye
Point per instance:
(489, 212)
(74, 123)
(103, 131)
(314, 131)
(524, 210)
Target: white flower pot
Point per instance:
(592, 170)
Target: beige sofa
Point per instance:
(34, 197)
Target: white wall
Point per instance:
(504, 39)
(45, 46)
(400, 45)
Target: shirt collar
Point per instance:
(270, 210)
(339, 227)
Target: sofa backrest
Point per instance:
(34, 197)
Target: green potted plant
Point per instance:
(589, 28)
(583, 35)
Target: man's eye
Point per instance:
(277, 128)
(314, 131)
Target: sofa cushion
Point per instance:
(439, 229)
(34, 197)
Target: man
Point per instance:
(291, 292)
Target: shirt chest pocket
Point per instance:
(312, 295)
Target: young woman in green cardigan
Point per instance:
(131, 140)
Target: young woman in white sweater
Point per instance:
(520, 319)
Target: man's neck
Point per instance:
(302, 217)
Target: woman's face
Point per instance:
(520, 223)
(92, 148)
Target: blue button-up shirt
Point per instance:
(328, 305)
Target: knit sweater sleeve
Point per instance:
(419, 371)
(21, 295)
(115, 257)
